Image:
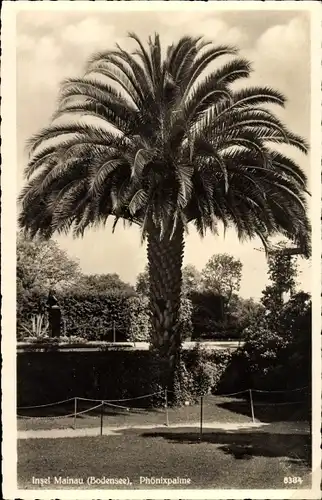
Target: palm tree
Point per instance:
(170, 141)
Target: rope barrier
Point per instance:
(124, 407)
(44, 406)
(84, 411)
(90, 409)
(132, 408)
(88, 399)
(64, 416)
(125, 399)
(150, 395)
(107, 403)
(279, 404)
(279, 392)
(226, 395)
(132, 399)
(48, 418)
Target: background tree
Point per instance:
(142, 282)
(100, 283)
(244, 311)
(222, 275)
(207, 313)
(174, 142)
(191, 280)
(43, 265)
(282, 272)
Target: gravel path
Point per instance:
(277, 427)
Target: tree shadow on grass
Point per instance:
(269, 413)
(247, 443)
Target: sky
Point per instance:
(52, 46)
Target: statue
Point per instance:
(54, 314)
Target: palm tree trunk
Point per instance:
(165, 279)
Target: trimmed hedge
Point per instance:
(45, 377)
(91, 316)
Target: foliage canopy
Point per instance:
(168, 145)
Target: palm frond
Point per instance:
(81, 131)
(144, 56)
(202, 62)
(173, 143)
(126, 70)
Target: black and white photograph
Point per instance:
(161, 201)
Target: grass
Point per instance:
(243, 459)
(215, 409)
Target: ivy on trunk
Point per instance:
(165, 257)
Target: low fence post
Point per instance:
(251, 405)
(166, 407)
(102, 414)
(75, 412)
(201, 417)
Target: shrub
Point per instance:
(183, 386)
(277, 353)
(29, 304)
(199, 373)
(37, 328)
(73, 339)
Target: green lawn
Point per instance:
(115, 417)
(215, 409)
(225, 459)
(247, 458)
